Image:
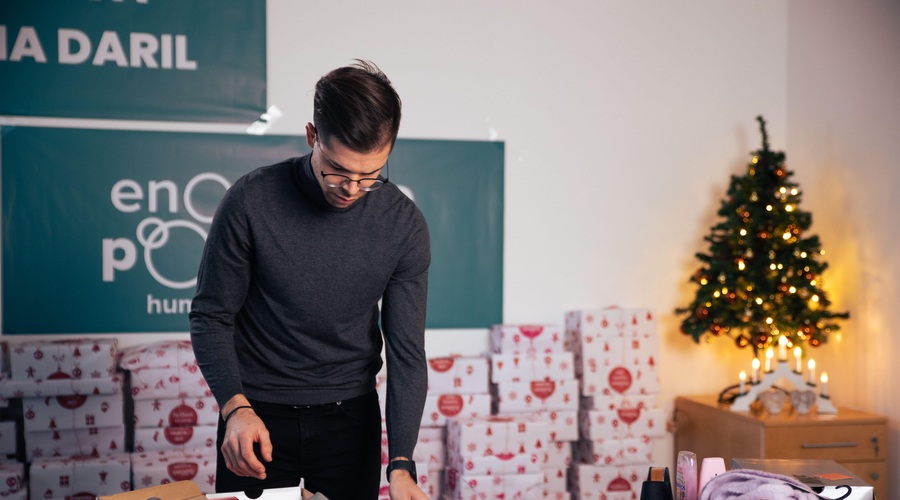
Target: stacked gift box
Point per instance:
(533, 373)
(616, 352)
(72, 416)
(175, 415)
(458, 387)
(496, 457)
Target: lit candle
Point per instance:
(743, 377)
(812, 371)
(798, 357)
(755, 377)
(782, 348)
(769, 355)
(824, 380)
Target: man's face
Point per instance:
(332, 157)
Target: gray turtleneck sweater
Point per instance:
(286, 309)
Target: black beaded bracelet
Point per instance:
(236, 408)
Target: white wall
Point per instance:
(844, 141)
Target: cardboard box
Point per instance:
(163, 354)
(439, 408)
(91, 442)
(557, 455)
(563, 424)
(62, 359)
(535, 366)
(825, 474)
(590, 482)
(168, 383)
(613, 452)
(12, 481)
(179, 490)
(176, 412)
(72, 412)
(458, 375)
(610, 322)
(623, 423)
(493, 465)
(507, 486)
(11, 389)
(609, 366)
(188, 490)
(536, 396)
(527, 339)
(616, 401)
(556, 483)
(199, 437)
(161, 467)
(496, 436)
(82, 477)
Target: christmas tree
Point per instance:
(761, 278)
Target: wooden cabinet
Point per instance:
(855, 439)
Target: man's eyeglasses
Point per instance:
(338, 180)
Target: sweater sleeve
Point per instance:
(222, 283)
(403, 321)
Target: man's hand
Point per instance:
(404, 488)
(242, 430)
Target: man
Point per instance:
(285, 319)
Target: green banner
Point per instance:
(103, 230)
(178, 60)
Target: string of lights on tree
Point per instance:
(762, 276)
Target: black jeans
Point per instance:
(335, 448)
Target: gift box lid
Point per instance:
(179, 490)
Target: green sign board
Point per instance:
(196, 60)
(102, 230)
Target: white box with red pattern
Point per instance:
(176, 412)
(62, 359)
(622, 423)
(439, 408)
(590, 482)
(12, 481)
(613, 451)
(458, 375)
(505, 486)
(497, 436)
(615, 350)
(92, 441)
(72, 412)
(526, 339)
(82, 477)
(536, 396)
(163, 467)
(536, 366)
(188, 438)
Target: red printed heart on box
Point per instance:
(182, 415)
(450, 404)
(619, 379)
(182, 471)
(543, 389)
(178, 435)
(531, 331)
(629, 415)
(441, 365)
(619, 484)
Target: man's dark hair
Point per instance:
(357, 106)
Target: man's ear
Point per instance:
(310, 134)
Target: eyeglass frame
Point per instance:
(348, 180)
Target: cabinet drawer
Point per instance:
(874, 473)
(837, 442)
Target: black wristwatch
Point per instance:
(407, 465)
